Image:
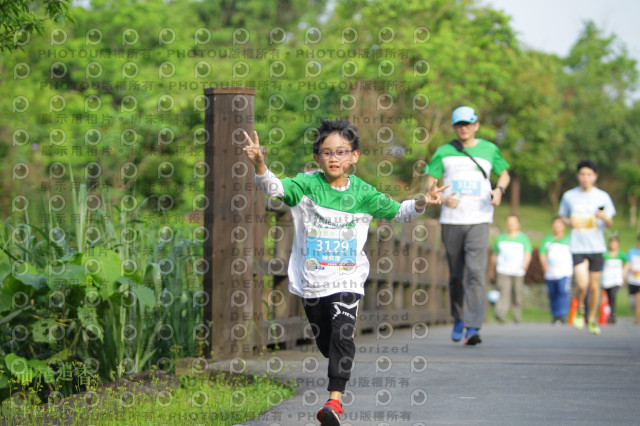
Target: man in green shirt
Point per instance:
(467, 210)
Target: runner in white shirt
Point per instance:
(587, 210)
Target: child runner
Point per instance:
(613, 274)
(557, 264)
(331, 212)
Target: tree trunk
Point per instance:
(633, 209)
(554, 194)
(515, 194)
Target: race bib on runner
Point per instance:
(331, 248)
(611, 275)
(635, 267)
(466, 188)
(584, 222)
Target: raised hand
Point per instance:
(433, 197)
(254, 153)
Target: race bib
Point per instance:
(612, 273)
(331, 248)
(584, 222)
(466, 188)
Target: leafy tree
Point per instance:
(531, 124)
(544, 111)
(429, 48)
(19, 19)
(598, 81)
(630, 175)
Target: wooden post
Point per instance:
(515, 193)
(229, 217)
(435, 295)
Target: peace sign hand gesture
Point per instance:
(433, 197)
(254, 153)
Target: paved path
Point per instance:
(527, 374)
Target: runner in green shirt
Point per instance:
(466, 164)
(613, 273)
(511, 257)
(557, 264)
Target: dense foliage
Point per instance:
(20, 19)
(108, 297)
(117, 98)
(120, 92)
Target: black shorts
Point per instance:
(633, 289)
(596, 261)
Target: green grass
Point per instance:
(190, 400)
(535, 221)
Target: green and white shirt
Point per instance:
(511, 254)
(465, 179)
(559, 258)
(331, 227)
(613, 269)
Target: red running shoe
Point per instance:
(330, 414)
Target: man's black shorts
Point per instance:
(634, 289)
(596, 261)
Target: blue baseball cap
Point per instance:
(464, 113)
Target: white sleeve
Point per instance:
(270, 184)
(407, 211)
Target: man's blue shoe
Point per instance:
(458, 327)
(472, 337)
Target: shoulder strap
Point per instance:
(458, 146)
